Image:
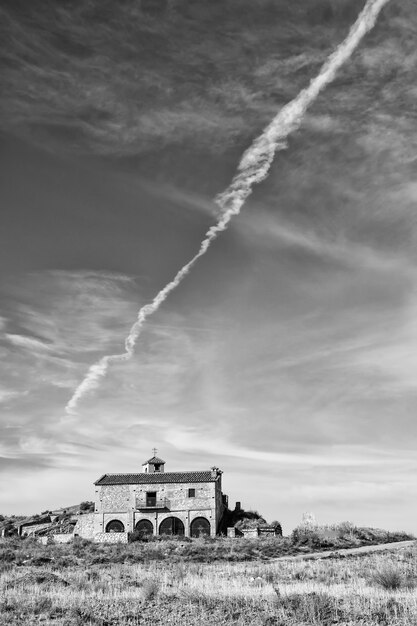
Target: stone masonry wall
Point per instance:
(85, 526)
(126, 503)
(114, 498)
(219, 504)
(111, 538)
(63, 538)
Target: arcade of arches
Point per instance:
(199, 527)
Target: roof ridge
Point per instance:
(156, 473)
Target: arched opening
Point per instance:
(144, 528)
(171, 526)
(200, 527)
(115, 526)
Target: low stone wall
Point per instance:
(261, 531)
(111, 538)
(63, 538)
(250, 532)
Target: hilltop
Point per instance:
(57, 519)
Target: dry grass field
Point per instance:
(61, 585)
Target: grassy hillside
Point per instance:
(368, 590)
(82, 553)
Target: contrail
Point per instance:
(252, 169)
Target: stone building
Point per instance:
(156, 502)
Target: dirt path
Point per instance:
(397, 545)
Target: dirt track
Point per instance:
(397, 545)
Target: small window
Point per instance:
(151, 498)
(157, 467)
(191, 493)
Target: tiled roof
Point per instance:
(167, 477)
(155, 459)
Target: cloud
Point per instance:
(58, 319)
(263, 229)
(6, 395)
(29, 462)
(70, 311)
(29, 343)
(203, 440)
(83, 87)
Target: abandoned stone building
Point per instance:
(156, 502)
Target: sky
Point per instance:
(287, 357)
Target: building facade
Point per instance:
(155, 502)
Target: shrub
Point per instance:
(136, 535)
(345, 528)
(306, 536)
(150, 589)
(38, 561)
(311, 608)
(7, 555)
(278, 528)
(391, 578)
(87, 506)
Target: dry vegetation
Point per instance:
(162, 582)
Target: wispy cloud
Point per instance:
(263, 229)
(30, 343)
(83, 84)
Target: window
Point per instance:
(157, 467)
(191, 493)
(151, 498)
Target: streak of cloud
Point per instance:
(253, 169)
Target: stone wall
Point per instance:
(111, 538)
(85, 526)
(63, 538)
(122, 498)
(114, 498)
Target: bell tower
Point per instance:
(154, 465)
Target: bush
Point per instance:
(7, 555)
(150, 589)
(277, 526)
(87, 506)
(312, 608)
(391, 577)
